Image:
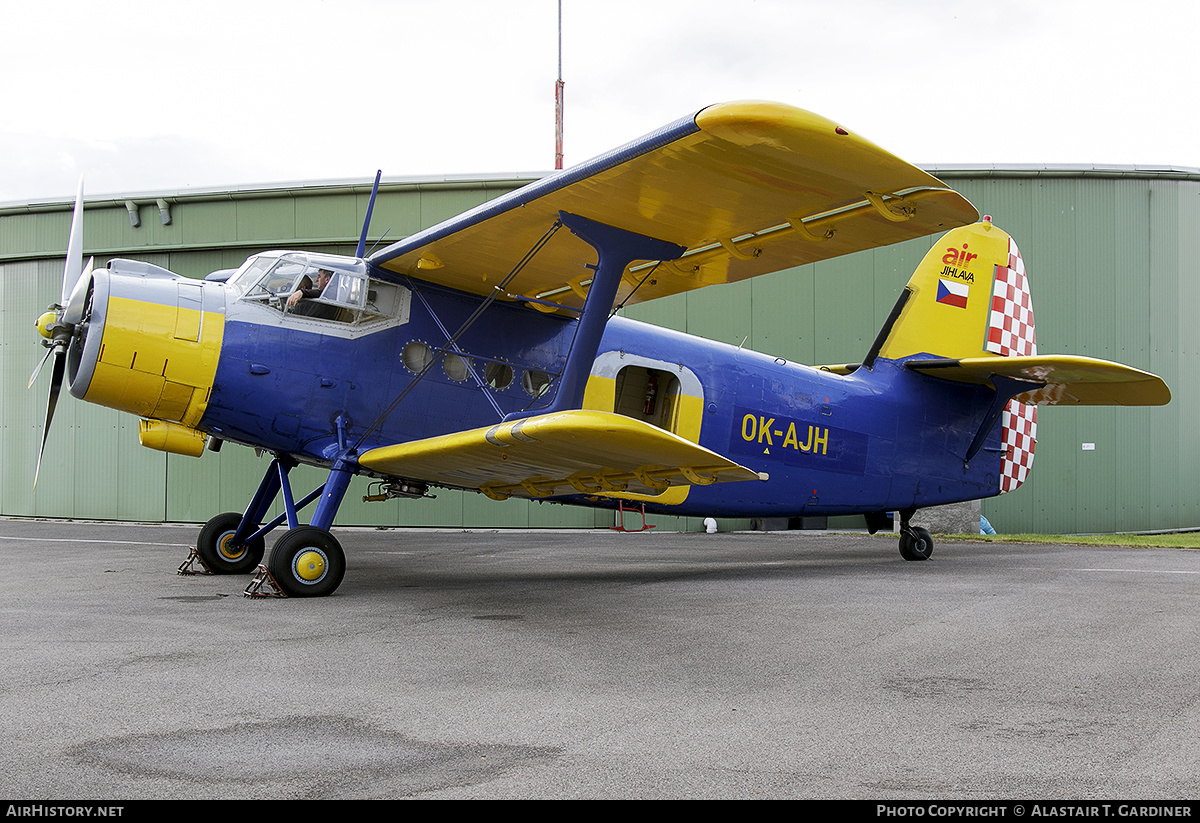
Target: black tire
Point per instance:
(307, 562)
(219, 554)
(916, 544)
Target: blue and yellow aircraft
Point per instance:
(484, 353)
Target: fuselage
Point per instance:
(878, 439)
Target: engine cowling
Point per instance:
(148, 342)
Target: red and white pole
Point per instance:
(558, 100)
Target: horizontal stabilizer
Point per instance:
(563, 453)
(1058, 379)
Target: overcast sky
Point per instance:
(147, 95)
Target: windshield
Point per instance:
(249, 273)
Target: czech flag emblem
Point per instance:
(953, 293)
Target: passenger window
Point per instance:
(498, 375)
(535, 383)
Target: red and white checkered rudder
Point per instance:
(1010, 323)
(1017, 439)
(1011, 334)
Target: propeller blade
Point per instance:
(37, 370)
(74, 297)
(60, 362)
(75, 304)
(74, 264)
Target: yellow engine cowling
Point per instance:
(151, 345)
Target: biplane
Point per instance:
(485, 353)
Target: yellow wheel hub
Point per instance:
(229, 552)
(310, 565)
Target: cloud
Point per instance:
(51, 165)
(148, 95)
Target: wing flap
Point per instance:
(748, 188)
(573, 452)
(1062, 379)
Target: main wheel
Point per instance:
(916, 544)
(216, 548)
(307, 562)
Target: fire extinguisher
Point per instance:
(651, 391)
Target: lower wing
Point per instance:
(564, 453)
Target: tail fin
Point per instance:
(969, 298)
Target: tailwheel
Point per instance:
(220, 554)
(915, 543)
(307, 562)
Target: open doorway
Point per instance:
(648, 394)
(667, 395)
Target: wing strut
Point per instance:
(617, 248)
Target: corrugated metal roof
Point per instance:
(977, 170)
(302, 188)
(269, 190)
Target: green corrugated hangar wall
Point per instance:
(1111, 256)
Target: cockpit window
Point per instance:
(281, 278)
(317, 287)
(248, 275)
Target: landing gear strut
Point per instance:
(306, 561)
(915, 542)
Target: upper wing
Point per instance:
(573, 452)
(748, 188)
(1067, 379)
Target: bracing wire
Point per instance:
(499, 289)
(621, 305)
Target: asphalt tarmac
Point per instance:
(458, 664)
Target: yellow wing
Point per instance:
(574, 452)
(1068, 379)
(748, 188)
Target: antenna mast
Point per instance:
(558, 100)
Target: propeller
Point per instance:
(63, 320)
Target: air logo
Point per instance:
(956, 261)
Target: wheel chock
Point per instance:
(263, 585)
(188, 566)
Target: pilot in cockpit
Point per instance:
(308, 307)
